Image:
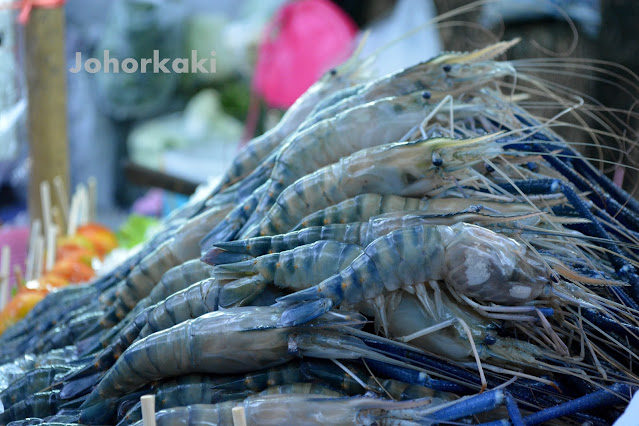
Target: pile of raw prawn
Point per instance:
(414, 249)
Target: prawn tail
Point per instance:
(305, 312)
(108, 320)
(309, 303)
(81, 386)
(105, 411)
(257, 178)
(100, 413)
(71, 407)
(89, 345)
(229, 227)
(250, 224)
(241, 246)
(233, 271)
(94, 330)
(242, 291)
(218, 256)
(87, 369)
(224, 231)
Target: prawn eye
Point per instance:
(447, 68)
(333, 71)
(426, 94)
(437, 160)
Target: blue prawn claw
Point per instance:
(469, 406)
(302, 313)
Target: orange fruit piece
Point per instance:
(102, 239)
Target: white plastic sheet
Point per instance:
(630, 417)
(405, 36)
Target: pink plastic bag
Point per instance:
(302, 41)
(17, 239)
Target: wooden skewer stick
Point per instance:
(45, 201)
(4, 276)
(148, 410)
(93, 198)
(58, 221)
(17, 272)
(36, 227)
(85, 205)
(63, 198)
(239, 416)
(83, 200)
(37, 271)
(50, 239)
(73, 215)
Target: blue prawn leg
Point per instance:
(546, 186)
(470, 406)
(569, 156)
(615, 394)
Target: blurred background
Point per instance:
(149, 139)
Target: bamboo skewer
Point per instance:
(84, 218)
(148, 410)
(39, 254)
(82, 205)
(35, 232)
(17, 273)
(45, 201)
(63, 199)
(4, 276)
(239, 416)
(49, 231)
(73, 215)
(51, 247)
(93, 196)
(58, 220)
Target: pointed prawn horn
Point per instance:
(484, 54)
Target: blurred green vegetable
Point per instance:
(134, 230)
